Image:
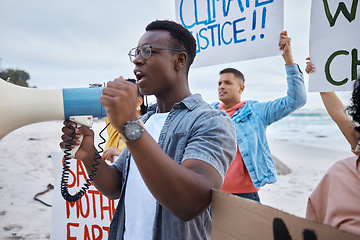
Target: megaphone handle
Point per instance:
(76, 148)
(80, 120)
(69, 154)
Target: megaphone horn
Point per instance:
(20, 106)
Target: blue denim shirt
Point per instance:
(192, 130)
(252, 120)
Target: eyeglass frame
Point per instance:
(150, 47)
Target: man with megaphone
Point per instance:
(163, 178)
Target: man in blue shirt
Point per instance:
(253, 166)
(163, 178)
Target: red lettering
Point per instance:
(93, 193)
(70, 185)
(106, 229)
(113, 209)
(97, 232)
(86, 206)
(80, 171)
(68, 205)
(110, 207)
(68, 237)
(86, 233)
(103, 208)
(100, 236)
(80, 207)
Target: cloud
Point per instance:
(74, 43)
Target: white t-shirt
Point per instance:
(140, 205)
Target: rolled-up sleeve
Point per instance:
(213, 140)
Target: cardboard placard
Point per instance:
(234, 217)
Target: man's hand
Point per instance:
(86, 149)
(285, 46)
(119, 99)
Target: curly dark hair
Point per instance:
(354, 108)
(181, 38)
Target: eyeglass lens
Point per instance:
(144, 51)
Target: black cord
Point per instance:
(66, 168)
(104, 140)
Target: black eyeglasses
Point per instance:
(145, 51)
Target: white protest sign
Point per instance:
(334, 44)
(87, 218)
(230, 31)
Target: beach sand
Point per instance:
(26, 169)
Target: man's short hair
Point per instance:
(181, 38)
(234, 71)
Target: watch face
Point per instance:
(133, 131)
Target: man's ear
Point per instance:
(242, 88)
(181, 60)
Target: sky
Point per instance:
(72, 43)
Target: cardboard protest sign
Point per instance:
(229, 31)
(234, 217)
(334, 44)
(87, 218)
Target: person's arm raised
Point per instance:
(285, 46)
(336, 110)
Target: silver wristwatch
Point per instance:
(133, 130)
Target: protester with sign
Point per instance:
(335, 201)
(164, 176)
(253, 166)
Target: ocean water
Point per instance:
(307, 127)
(310, 128)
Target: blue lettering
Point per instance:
(206, 21)
(263, 17)
(213, 34)
(204, 37)
(254, 20)
(257, 3)
(222, 33)
(226, 6)
(198, 42)
(182, 16)
(214, 9)
(236, 40)
(209, 12)
(196, 14)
